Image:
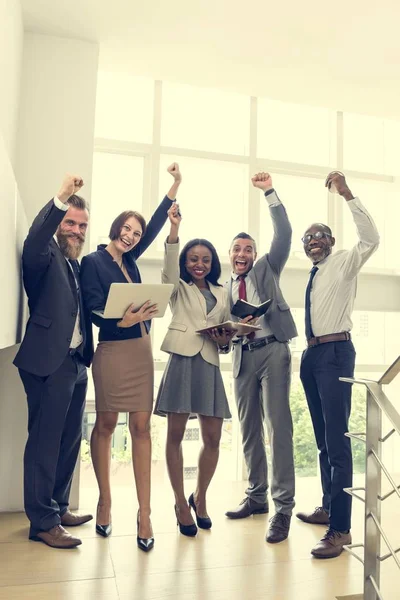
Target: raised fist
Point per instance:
(70, 186)
(262, 181)
(174, 215)
(336, 183)
(175, 172)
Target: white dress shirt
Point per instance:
(335, 284)
(251, 292)
(77, 337)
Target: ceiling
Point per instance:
(343, 54)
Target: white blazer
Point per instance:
(189, 312)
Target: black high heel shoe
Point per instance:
(103, 530)
(202, 522)
(189, 530)
(145, 544)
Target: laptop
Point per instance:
(122, 295)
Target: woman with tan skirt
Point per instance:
(122, 369)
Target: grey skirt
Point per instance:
(193, 386)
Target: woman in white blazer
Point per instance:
(192, 382)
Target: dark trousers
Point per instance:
(329, 401)
(55, 411)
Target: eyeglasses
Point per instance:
(318, 235)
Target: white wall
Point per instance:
(55, 135)
(11, 46)
(12, 404)
(56, 124)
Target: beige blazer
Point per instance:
(189, 312)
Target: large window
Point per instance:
(371, 144)
(117, 186)
(382, 201)
(205, 119)
(124, 108)
(295, 133)
(213, 200)
(306, 202)
(220, 139)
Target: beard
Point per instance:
(70, 244)
(317, 257)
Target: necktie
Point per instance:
(242, 288)
(75, 270)
(309, 331)
(243, 296)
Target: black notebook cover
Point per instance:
(243, 309)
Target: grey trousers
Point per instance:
(262, 395)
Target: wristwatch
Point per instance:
(224, 348)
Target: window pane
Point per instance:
(205, 119)
(375, 336)
(392, 147)
(117, 185)
(304, 447)
(213, 200)
(368, 337)
(124, 107)
(298, 344)
(363, 143)
(295, 133)
(306, 202)
(392, 328)
(381, 201)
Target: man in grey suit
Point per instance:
(262, 370)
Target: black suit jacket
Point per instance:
(52, 297)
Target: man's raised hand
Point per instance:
(262, 181)
(70, 186)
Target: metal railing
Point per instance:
(377, 404)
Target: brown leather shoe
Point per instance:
(73, 520)
(246, 508)
(318, 517)
(331, 544)
(57, 537)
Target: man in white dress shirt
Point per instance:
(330, 354)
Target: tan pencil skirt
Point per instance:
(123, 375)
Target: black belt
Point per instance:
(260, 343)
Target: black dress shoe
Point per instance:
(189, 530)
(145, 544)
(278, 529)
(104, 530)
(202, 522)
(246, 508)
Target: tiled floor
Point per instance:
(230, 562)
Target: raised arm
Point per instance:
(158, 219)
(281, 242)
(366, 229)
(170, 272)
(36, 253)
